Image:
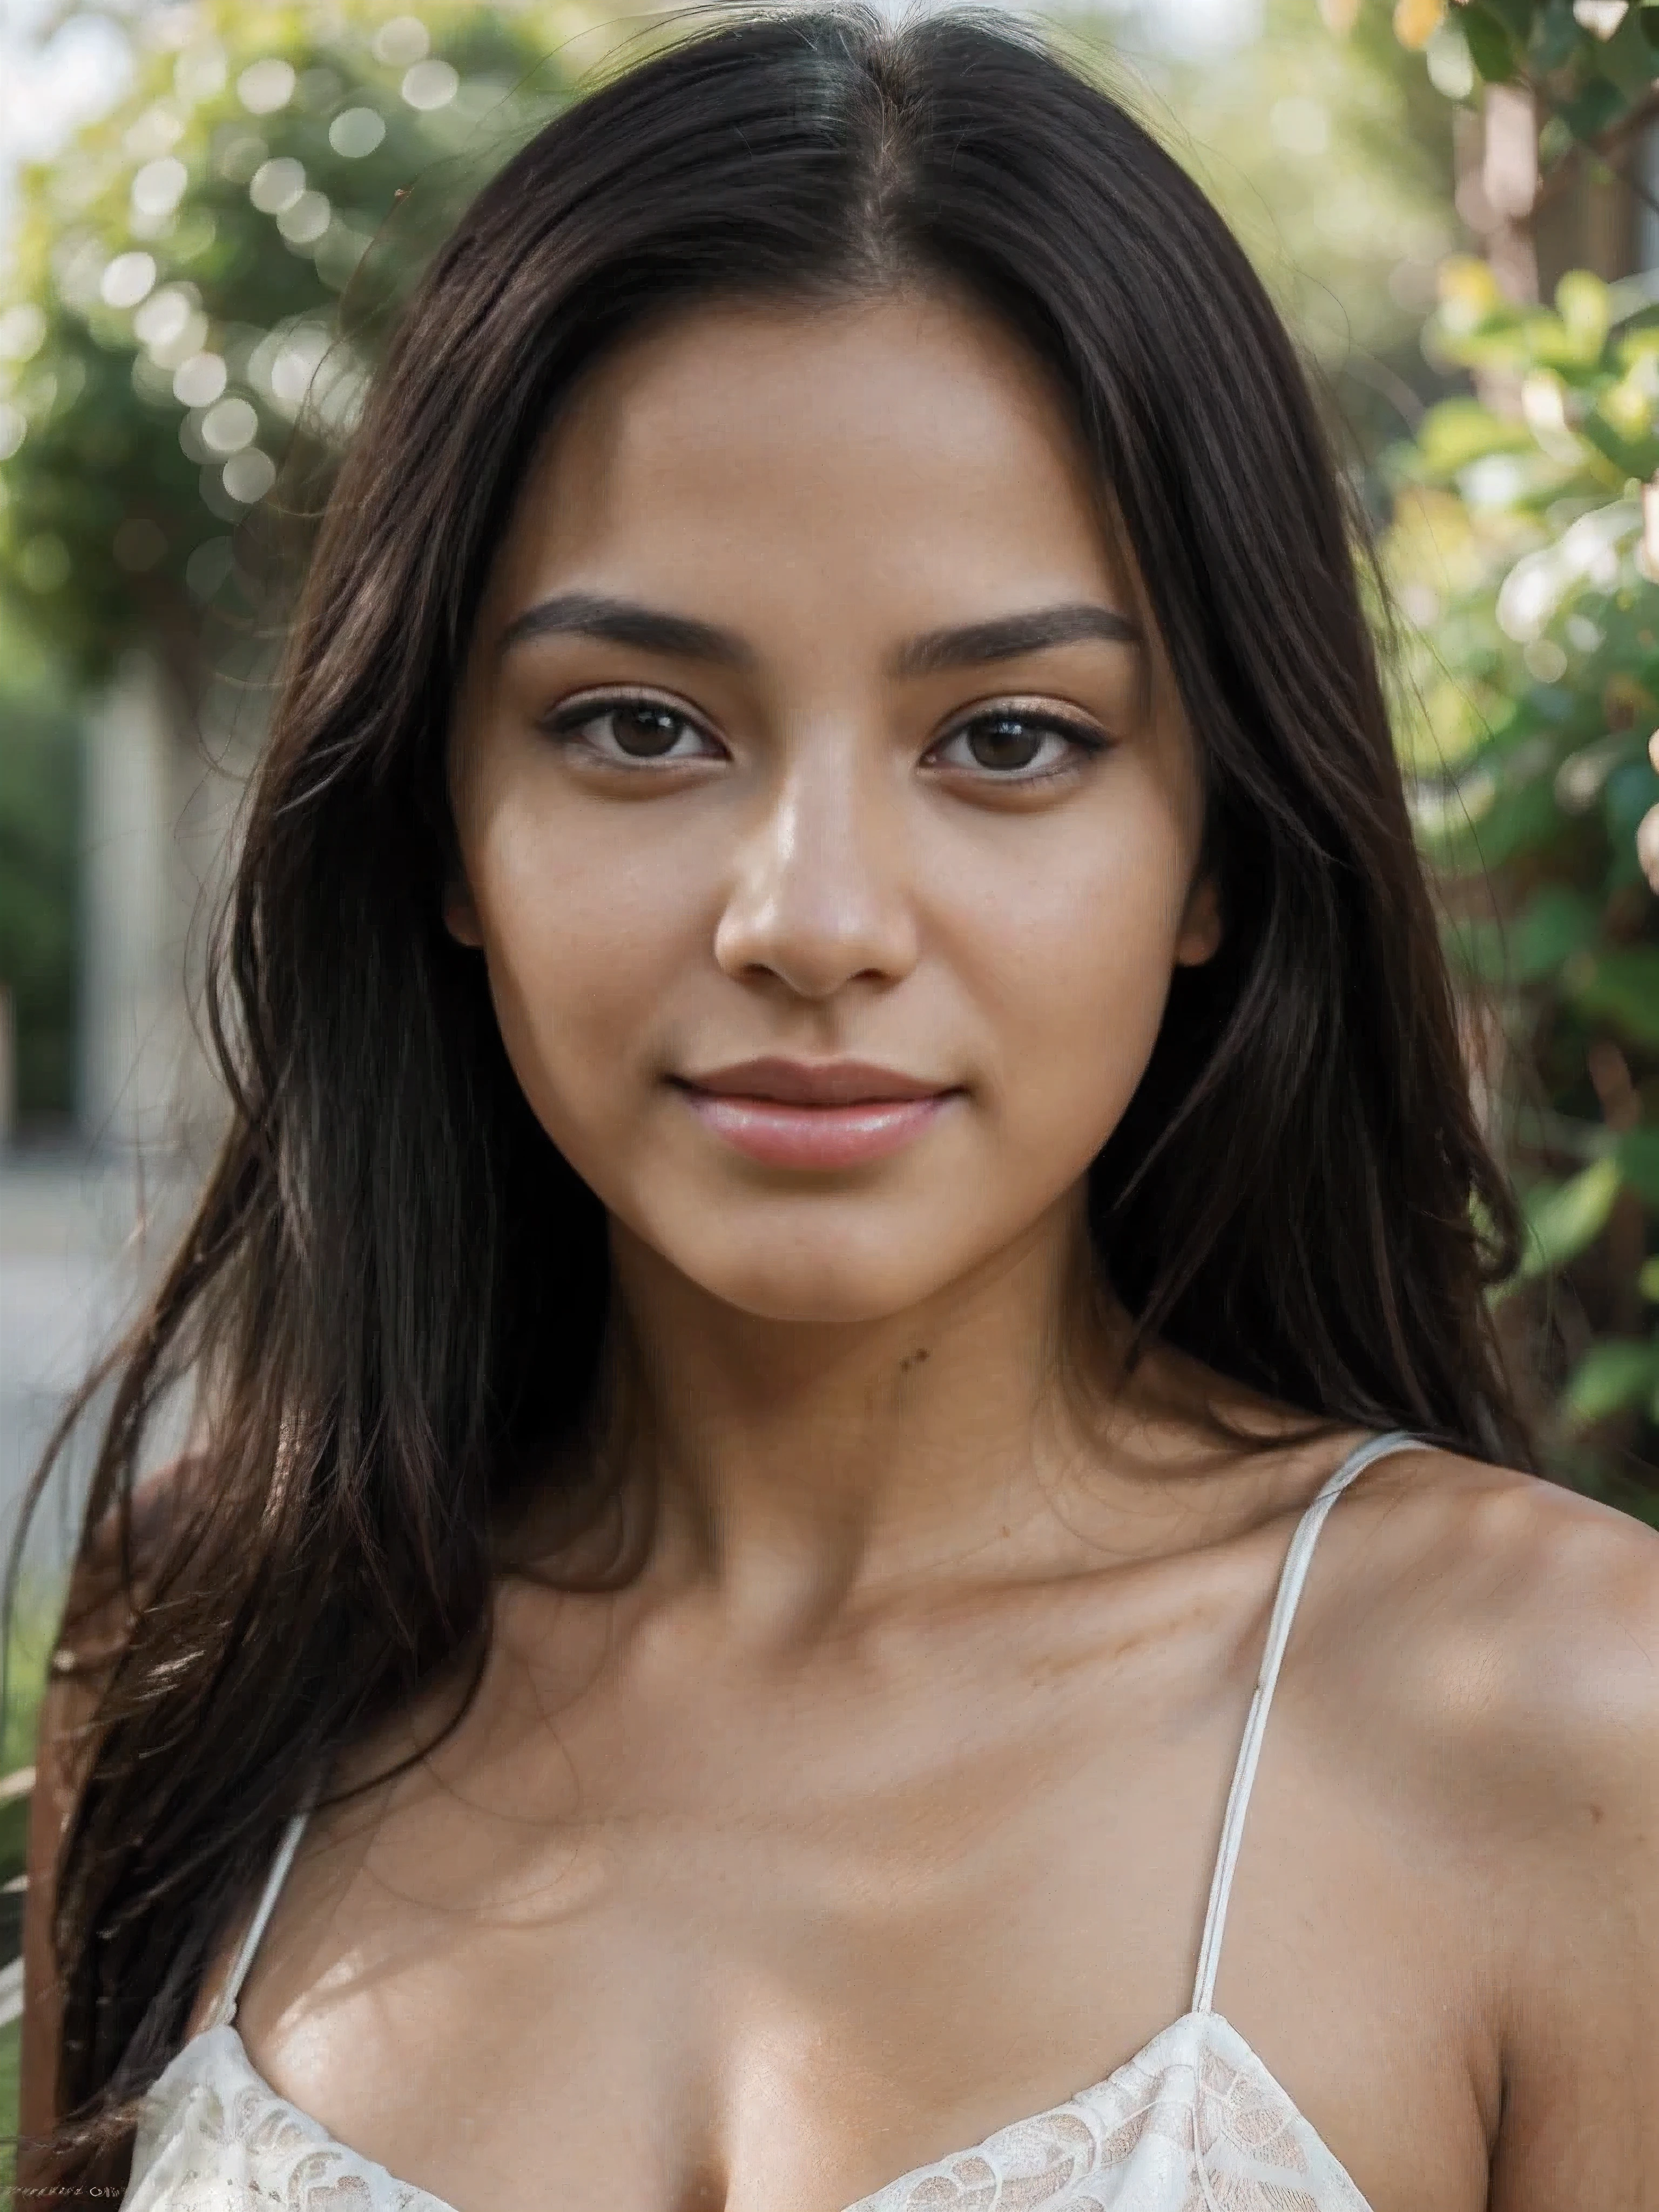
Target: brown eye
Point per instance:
(1005, 741)
(642, 732)
(620, 731)
(1014, 747)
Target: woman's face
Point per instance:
(810, 717)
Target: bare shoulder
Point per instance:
(1492, 1649)
(1512, 1629)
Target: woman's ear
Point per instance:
(1200, 925)
(460, 915)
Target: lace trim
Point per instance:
(1194, 2123)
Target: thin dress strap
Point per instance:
(224, 2007)
(1292, 1576)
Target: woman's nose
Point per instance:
(821, 889)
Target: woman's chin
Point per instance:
(815, 1292)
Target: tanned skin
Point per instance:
(879, 1811)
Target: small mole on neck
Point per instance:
(703, 2191)
(913, 1359)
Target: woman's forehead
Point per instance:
(904, 440)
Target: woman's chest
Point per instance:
(747, 1963)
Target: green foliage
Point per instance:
(40, 1602)
(1613, 1377)
(1564, 1217)
(33, 1627)
(1589, 79)
(39, 763)
(1526, 547)
(201, 283)
(1524, 552)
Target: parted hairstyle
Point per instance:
(393, 1301)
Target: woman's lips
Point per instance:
(786, 1136)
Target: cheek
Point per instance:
(581, 948)
(1074, 963)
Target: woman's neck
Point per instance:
(787, 1472)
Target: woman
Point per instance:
(849, 1137)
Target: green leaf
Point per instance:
(1555, 35)
(1621, 988)
(1626, 796)
(1533, 947)
(1505, 344)
(1516, 15)
(1581, 302)
(1637, 1155)
(1613, 1375)
(1563, 1219)
(1647, 1281)
(1458, 431)
(1478, 949)
(1490, 46)
(1559, 923)
(1591, 110)
(1633, 457)
(1519, 820)
(1627, 59)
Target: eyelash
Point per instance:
(566, 725)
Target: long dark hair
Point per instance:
(393, 1295)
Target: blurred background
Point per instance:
(208, 214)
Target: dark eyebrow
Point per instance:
(1004, 637)
(623, 621)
